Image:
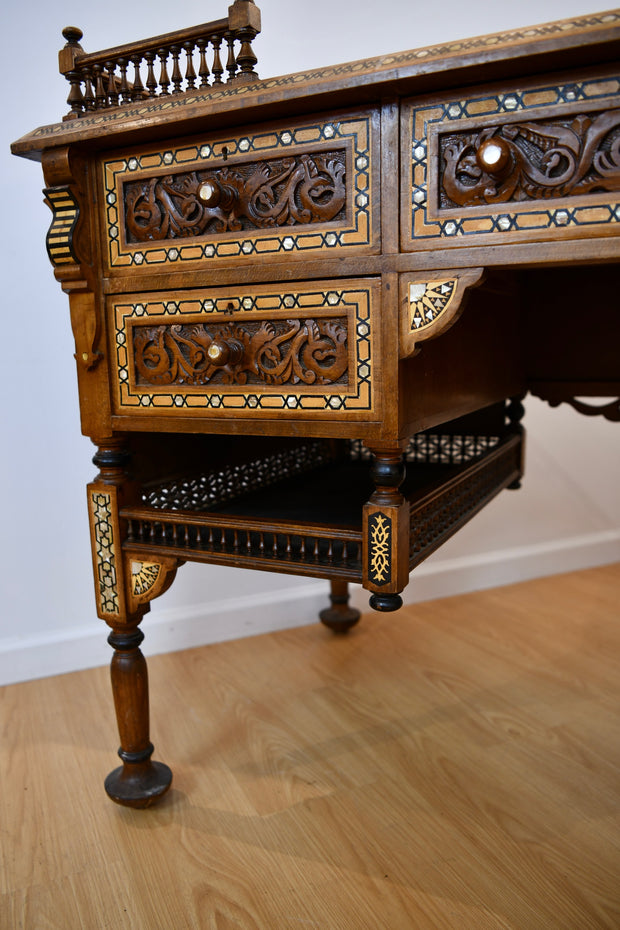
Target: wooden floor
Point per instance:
(456, 765)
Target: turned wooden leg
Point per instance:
(339, 617)
(124, 586)
(139, 781)
(515, 411)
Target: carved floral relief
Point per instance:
(289, 191)
(531, 160)
(310, 351)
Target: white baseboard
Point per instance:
(446, 577)
(172, 629)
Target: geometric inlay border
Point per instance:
(106, 586)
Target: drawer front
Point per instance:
(289, 191)
(515, 165)
(307, 352)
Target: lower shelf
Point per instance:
(311, 523)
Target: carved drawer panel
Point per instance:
(525, 164)
(295, 190)
(268, 351)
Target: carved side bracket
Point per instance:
(148, 579)
(65, 213)
(430, 302)
(63, 196)
(609, 411)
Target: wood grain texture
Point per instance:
(455, 766)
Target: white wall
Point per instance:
(566, 516)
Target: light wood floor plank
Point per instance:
(456, 765)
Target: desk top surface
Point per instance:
(570, 43)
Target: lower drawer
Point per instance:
(306, 351)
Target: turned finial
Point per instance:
(72, 34)
(68, 54)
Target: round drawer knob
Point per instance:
(225, 352)
(493, 156)
(209, 192)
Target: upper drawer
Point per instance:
(511, 165)
(301, 189)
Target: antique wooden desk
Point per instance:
(306, 309)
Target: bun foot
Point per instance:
(339, 617)
(386, 602)
(138, 784)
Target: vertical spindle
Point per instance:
(75, 98)
(151, 80)
(101, 97)
(246, 59)
(231, 63)
(217, 68)
(138, 86)
(89, 95)
(112, 90)
(125, 96)
(203, 67)
(190, 71)
(164, 80)
(177, 77)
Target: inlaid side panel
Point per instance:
(275, 350)
(516, 165)
(105, 539)
(289, 191)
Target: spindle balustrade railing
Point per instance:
(312, 549)
(174, 63)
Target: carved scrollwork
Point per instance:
(556, 393)
(273, 352)
(280, 192)
(531, 160)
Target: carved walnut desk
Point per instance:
(306, 309)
